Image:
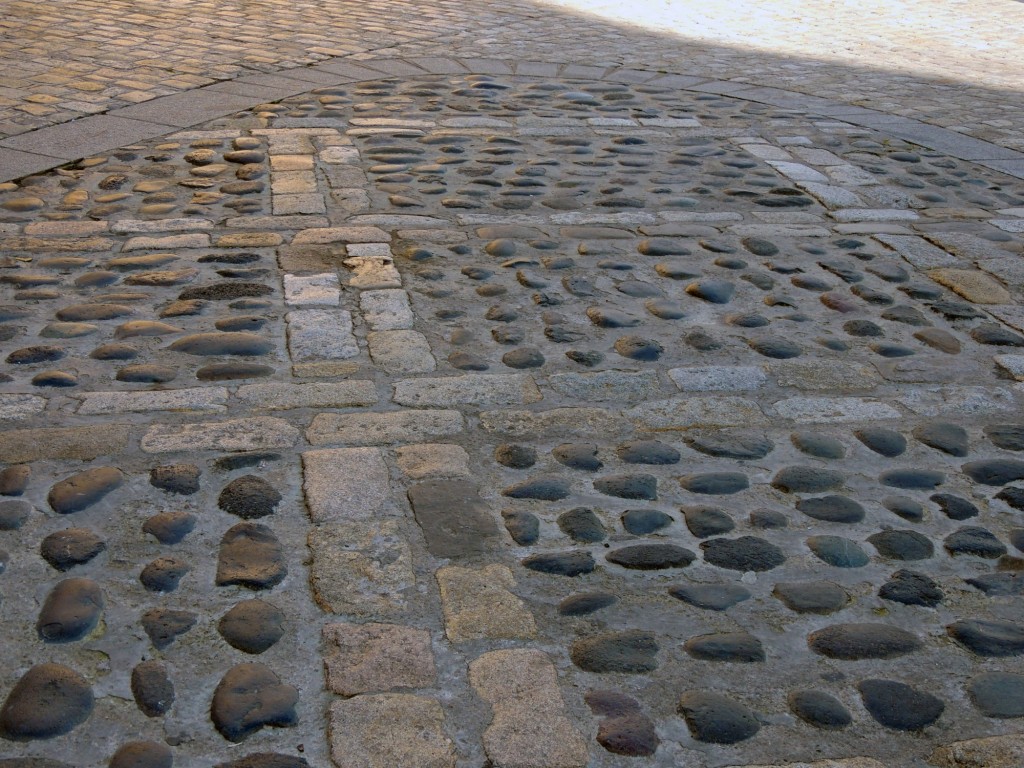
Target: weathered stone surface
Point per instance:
(81, 491)
(973, 285)
(862, 641)
(530, 727)
(249, 697)
(898, 705)
(49, 700)
(165, 625)
(479, 604)
(251, 556)
(152, 688)
(252, 626)
(990, 752)
(401, 352)
(387, 730)
(198, 398)
(383, 428)
(70, 547)
(278, 396)
(142, 754)
(374, 657)
(13, 407)
(479, 389)
(716, 719)
(345, 483)
(833, 410)
(427, 460)
(320, 334)
(455, 521)
(249, 434)
(689, 412)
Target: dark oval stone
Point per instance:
(182, 479)
(822, 446)
(819, 597)
(892, 350)
(629, 486)
(152, 688)
(225, 291)
(252, 626)
(665, 309)
(715, 719)
(863, 328)
(775, 348)
(819, 709)
(1009, 437)
(164, 574)
(611, 318)
(948, 438)
(466, 361)
(747, 553)
(586, 603)
(707, 521)
(631, 652)
(715, 483)
(207, 344)
(732, 446)
(13, 514)
(14, 479)
(911, 588)
(542, 487)
(800, 479)
(523, 527)
(582, 525)
(49, 700)
(648, 452)
(250, 556)
(998, 694)
(232, 371)
(55, 379)
(912, 479)
(711, 597)
(249, 697)
(902, 545)
(767, 519)
(747, 320)
(573, 563)
(70, 547)
(637, 348)
(906, 508)
(142, 754)
(994, 471)
(164, 625)
(999, 584)
(703, 342)
(955, 507)
(515, 456)
(989, 637)
(852, 642)
(898, 706)
(78, 492)
(169, 527)
(996, 335)
(837, 551)
(88, 312)
(712, 291)
(725, 646)
(525, 357)
(578, 456)
(240, 323)
(37, 354)
(973, 540)
(1013, 496)
(651, 557)
(71, 611)
(114, 352)
(249, 497)
(832, 509)
(641, 522)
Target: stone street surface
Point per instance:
(510, 388)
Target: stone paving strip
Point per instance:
(542, 420)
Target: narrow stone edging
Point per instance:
(37, 151)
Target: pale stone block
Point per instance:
(18, 406)
(319, 334)
(401, 351)
(559, 421)
(190, 399)
(364, 658)
(433, 460)
(389, 731)
(373, 273)
(323, 290)
(167, 243)
(341, 235)
(253, 434)
(798, 171)
(689, 412)
(621, 386)
(722, 378)
(345, 483)
(1012, 364)
(963, 401)
(279, 396)
(473, 389)
(478, 605)
(382, 428)
(830, 376)
(83, 443)
(386, 310)
(990, 752)
(132, 226)
(832, 410)
(917, 251)
(974, 285)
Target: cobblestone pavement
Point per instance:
(558, 418)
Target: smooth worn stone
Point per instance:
(707, 521)
(912, 479)
(641, 522)
(92, 312)
(820, 709)
(725, 646)
(522, 526)
(250, 556)
(624, 729)
(14, 479)
(746, 553)
(479, 604)
(227, 291)
(582, 525)
(973, 540)
(989, 637)
(936, 338)
(996, 336)
(801, 479)
(381, 730)
(851, 642)
(454, 519)
(716, 719)
(164, 626)
(145, 328)
(732, 445)
(998, 694)
(1013, 496)
(67, 330)
(882, 441)
(81, 491)
(572, 563)
(994, 471)
(252, 626)
(651, 557)
(585, 603)
(832, 509)
(47, 701)
(911, 588)
(712, 291)
(36, 354)
(170, 527)
(604, 317)
(991, 752)
(648, 452)
(73, 546)
(71, 611)
(578, 456)
(948, 438)
(266, 760)
(181, 479)
(525, 357)
(377, 657)
(1010, 437)
(775, 348)
(897, 705)
(837, 551)
(817, 597)
(902, 545)
(515, 456)
(55, 379)
(822, 446)
(142, 754)
(249, 497)
(999, 584)
(164, 574)
(638, 348)
(13, 514)
(114, 352)
(206, 344)
(715, 483)
(249, 697)
(232, 371)
(628, 486)
(632, 651)
(767, 519)
(152, 688)
(710, 597)
(249, 434)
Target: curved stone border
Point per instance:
(56, 145)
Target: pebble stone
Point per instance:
(48, 700)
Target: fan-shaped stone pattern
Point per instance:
(899, 706)
(624, 728)
(49, 700)
(152, 688)
(716, 719)
(249, 697)
(73, 546)
(250, 556)
(249, 497)
(252, 626)
(71, 611)
(84, 489)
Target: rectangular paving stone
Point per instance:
(428, 460)
(558, 421)
(850, 762)
(76, 228)
(20, 406)
(57, 244)
(401, 352)
(722, 378)
(345, 483)
(184, 109)
(276, 396)
(87, 136)
(974, 285)
(320, 334)
(348, 70)
(135, 226)
(960, 400)
(455, 521)
(382, 428)
(688, 412)
(373, 658)
(833, 410)
(356, 234)
(293, 221)
(168, 243)
(830, 375)
(190, 399)
(322, 290)
(251, 434)
(361, 569)
(478, 604)
(321, 369)
(620, 386)
(875, 214)
(1008, 225)
(83, 443)
(831, 195)
(1012, 364)
(15, 164)
(386, 310)
(918, 251)
(967, 246)
(389, 730)
(472, 389)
